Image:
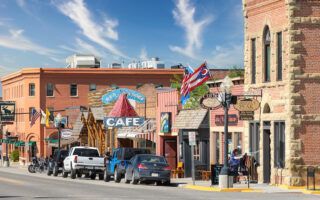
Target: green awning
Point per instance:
(19, 144)
(31, 143)
(51, 140)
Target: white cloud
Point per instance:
(16, 40)
(85, 47)
(184, 15)
(143, 54)
(227, 56)
(77, 11)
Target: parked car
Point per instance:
(56, 162)
(83, 160)
(117, 163)
(146, 167)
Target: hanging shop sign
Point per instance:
(123, 121)
(66, 133)
(246, 115)
(7, 111)
(247, 105)
(165, 122)
(232, 120)
(192, 138)
(210, 101)
(113, 96)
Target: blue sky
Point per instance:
(42, 33)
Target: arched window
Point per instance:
(267, 53)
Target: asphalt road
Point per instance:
(19, 184)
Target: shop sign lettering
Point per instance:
(210, 101)
(113, 96)
(123, 121)
(232, 120)
(247, 105)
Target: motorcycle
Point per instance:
(37, 165)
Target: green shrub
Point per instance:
(15, 156)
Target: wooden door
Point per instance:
(170, 152)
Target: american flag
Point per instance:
(34, 116)
(185, 86)
(197, 78)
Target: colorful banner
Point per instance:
(113, 96)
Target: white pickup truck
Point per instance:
(83, 160)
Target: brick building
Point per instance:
(59, 88)
(282, 62)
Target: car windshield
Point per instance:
(151, 159)
(86, 152)
(129, 153)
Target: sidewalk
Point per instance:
(256, 188)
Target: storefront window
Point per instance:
(254, 139)
(217, 147)
(238, 136)
(230, 145)
(279, 144)
(196, 152)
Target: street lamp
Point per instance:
(7, 162)
(226, 98)
(58, 120)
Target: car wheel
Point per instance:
(79, 174)
(101, 176)
(86, 175)
(73, 173)
(167, 183)
(55, 171)
(106, 176)
(64, 173)
(116, 176)
(93, 176)
(134, 181)
(49, 172)
(126, 180)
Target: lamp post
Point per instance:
(226, 98)
(58, 120)
(7, 162)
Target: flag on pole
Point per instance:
(185, 94)
(200, 76)
(47, 117)
(34, 116)
(43, 117)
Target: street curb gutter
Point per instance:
(310, 191)
(214, 189)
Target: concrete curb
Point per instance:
(305, 191)
(214, 189)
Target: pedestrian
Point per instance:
(234, 164)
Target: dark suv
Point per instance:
(56, 163)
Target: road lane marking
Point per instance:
(11, 181)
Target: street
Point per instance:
(19, 184)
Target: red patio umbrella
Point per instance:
(122, 108)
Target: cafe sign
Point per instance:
(123, 121)
(210, 101)
(247, 105)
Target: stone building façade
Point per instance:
(282, 62)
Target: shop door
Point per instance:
(266, 152)
(170, 152)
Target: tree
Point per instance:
(195, 95)
(236, 72)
